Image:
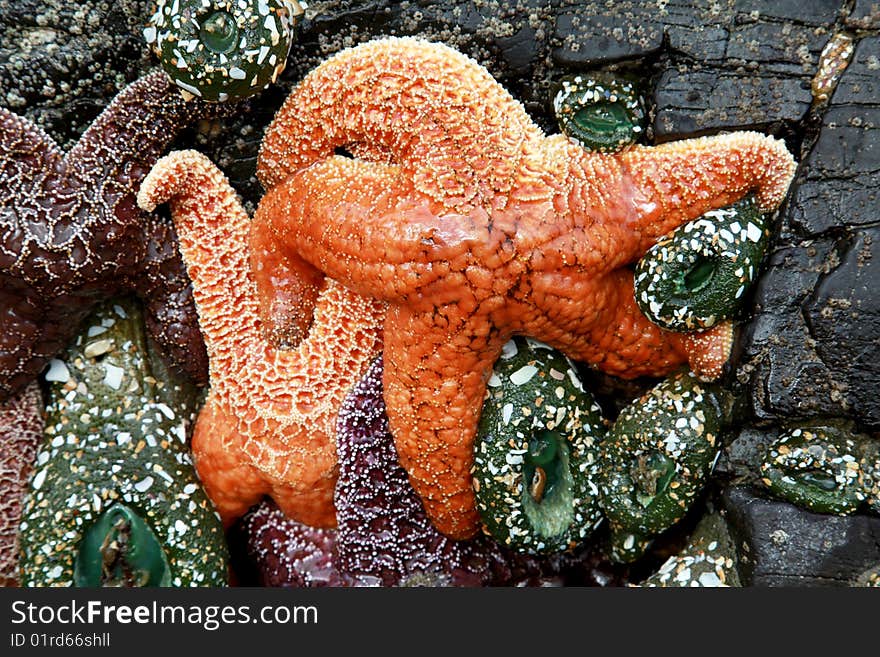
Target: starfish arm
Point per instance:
(610, 332)
(362, 224)
(602, 325)
(21, 432)
(283, 403)
(234, 485)
(27, 340)
(287, 286)
(169, 309)
(661, 187)
(708, 351)
(434, 383)
(28, 161)
(423, 106)
(231, 484)
(78, 223)
(127, 138)
(292, 413)
(212, 230)
(71, 233)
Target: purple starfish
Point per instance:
(71, 232)
(289, 553)
(384, 537)
(21, 432)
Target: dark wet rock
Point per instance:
(781, 44)
(814, 344)
(815, 12)
(701, 42)
(843, 315)
(753, 31)
(789, 379)
(742, 454)
(779, 544)
(61, 62)
(865, 15)
(838, 183)
(593, 33)
(721, 65)
(695, 101)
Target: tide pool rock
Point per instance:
(780, 544)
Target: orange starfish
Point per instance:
(474, 226)
(269, 423)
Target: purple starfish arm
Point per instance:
(71, 232)
(384, 536)
(21, 432)
(28, 154)
(287, 553)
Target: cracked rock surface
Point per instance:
(815, 339)
(779, 544)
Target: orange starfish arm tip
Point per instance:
(269, 424)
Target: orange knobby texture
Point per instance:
(473, 226)
(269, 424)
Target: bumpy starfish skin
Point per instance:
(269, 423)
(71, 234)
(384, 536)
(21, 431)
(474, 226)
(288, 553)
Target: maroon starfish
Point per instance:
(71, 232)
(21, 432)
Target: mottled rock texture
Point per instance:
(814, 344)
(781, 545)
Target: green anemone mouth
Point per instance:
(544, 448)
(599, 111)
(602, 117)
(651, 476)
(548, 498)
(219, 32)
(699, 276)
(824, 468)
(700, 273)
(819, 479)
(120, 550)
